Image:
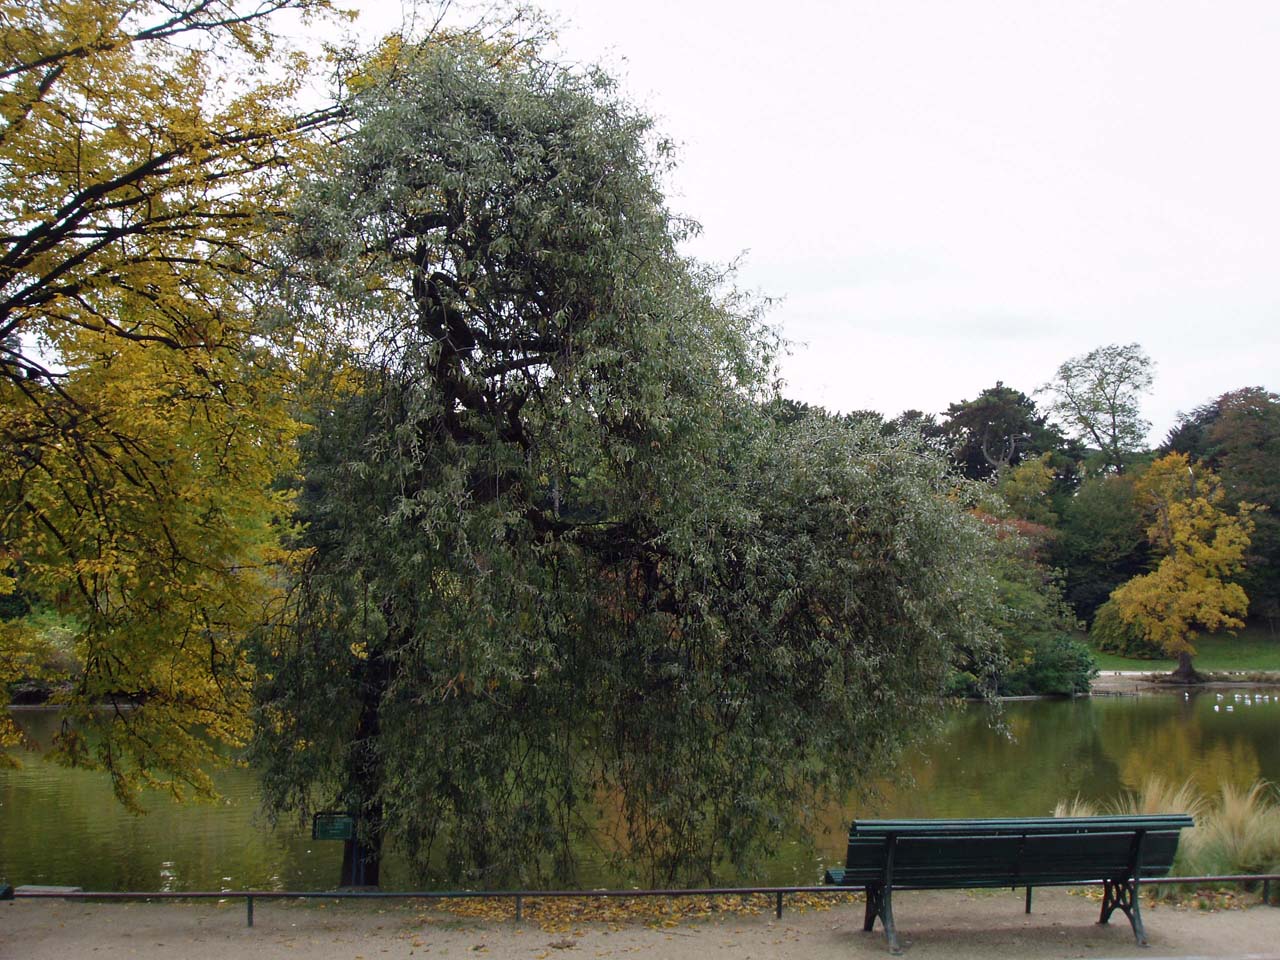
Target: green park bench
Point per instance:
(1120, 851)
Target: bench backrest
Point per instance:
(1011, 851)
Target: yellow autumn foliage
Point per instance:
(146, 151)
(1189, 591)
(569, 914)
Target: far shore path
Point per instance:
(1118, 682)
(1115, 682)
(978, 925)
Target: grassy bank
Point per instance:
(1254, 648)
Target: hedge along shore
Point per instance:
(982, 925)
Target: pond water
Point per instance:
(64, 827)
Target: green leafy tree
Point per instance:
(788, 412)
(1096, 396)
(921, 428)
(996, 430)
(1238, 436)
(1110, 633)
(1026, 490)
(1101, 541)
(563, 575)
(1041, 650)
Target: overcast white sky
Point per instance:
(947, 193)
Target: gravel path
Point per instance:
(981, 925)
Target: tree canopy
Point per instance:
(1238, 436)
(143, 155)
(564, 574)
(1204, 548)
(1102, 541)
(997, 429)
(1096, 396)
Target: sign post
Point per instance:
(333, 825)
(340, 825)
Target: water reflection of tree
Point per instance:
(1016, 760)
(1021, 759)
(62, 826)
(1179, 739)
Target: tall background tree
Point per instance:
(145, 153)
(1101, 542)
(1238, 436)
(996, 430)
(1096, 396)
(564, 574)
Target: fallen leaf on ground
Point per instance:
(565, 914)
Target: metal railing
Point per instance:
(519, 896)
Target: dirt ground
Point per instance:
(1111, 683)
(981, 925)
(1123, 683)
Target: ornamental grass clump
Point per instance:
(1077, 806)
(1240, 833)
(1157, 796)
(1237, 829)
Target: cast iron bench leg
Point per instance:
(1123, 895)
(886, 917)
(880, 904)
(873, 909)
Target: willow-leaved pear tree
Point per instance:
(564, 579)
(145, 149)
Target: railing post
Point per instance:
(519, 908)
(248, 902)
(779, 904)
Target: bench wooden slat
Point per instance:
(1014, 825)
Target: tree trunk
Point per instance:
(1186, 673)
(360, 864)
(362, 857)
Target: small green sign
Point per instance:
(333, 826)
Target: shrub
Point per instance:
(1111, 634)
(1056, 663)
